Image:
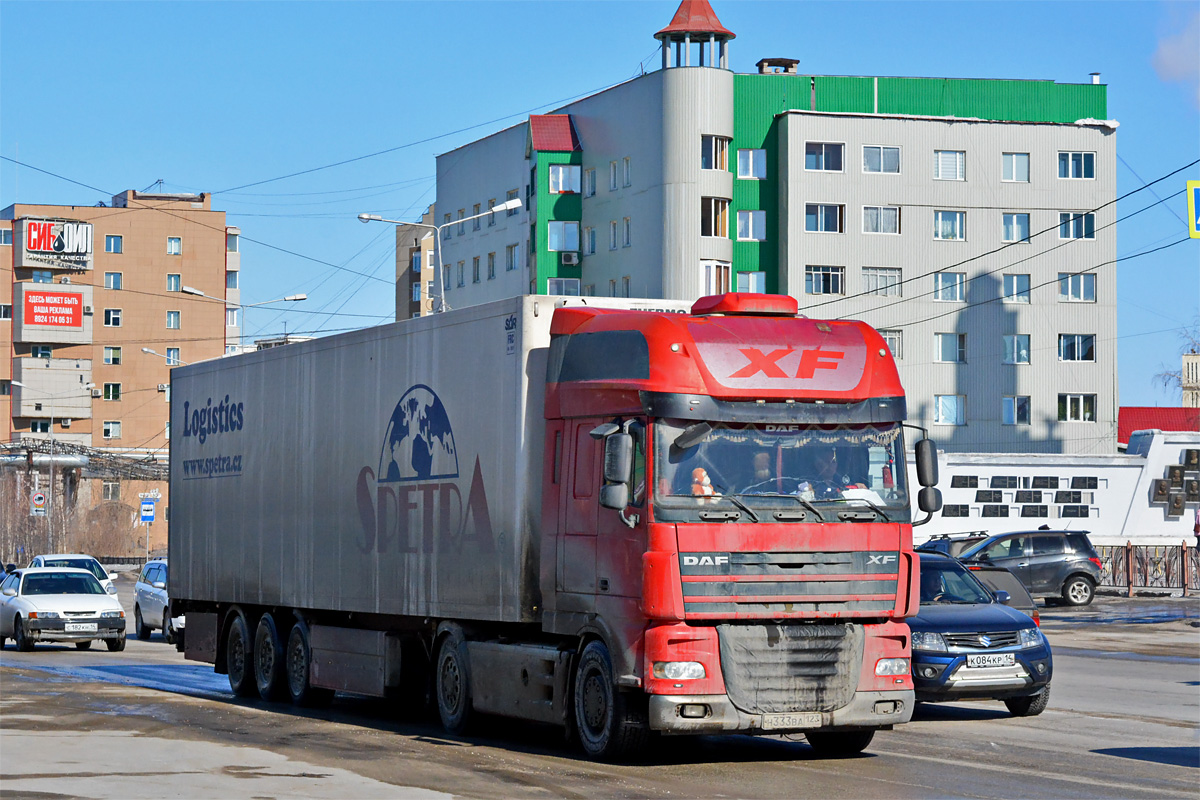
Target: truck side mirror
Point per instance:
(927, 465)
(618, 458)
(614, 496)
(929, 500)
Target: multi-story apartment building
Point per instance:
(90, 287)
(970, 220)
(415, 290)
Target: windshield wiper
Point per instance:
(797, 498)
(733, 498)
(857, 501)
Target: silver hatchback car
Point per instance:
(152, 603)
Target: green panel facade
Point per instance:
(553, 208)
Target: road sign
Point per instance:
(37, 504)
(147, 511)
(153, 494)
(1193, 193)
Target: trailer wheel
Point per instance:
(298, 663)
(610, 723)
(238, 658)
(269, 676)
(453, 684)
(839, 744)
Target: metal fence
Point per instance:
(1139, 566)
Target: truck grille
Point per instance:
(982, 641)
(770, 585)
(772, 668)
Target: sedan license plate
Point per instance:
(780, 722)
(991, 660)
(80, 627)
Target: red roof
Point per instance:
(552, 133)
(695, 16)
(1141, 418)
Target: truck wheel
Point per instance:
(84, 645)
(238, 658)
(20, 638)
(1078, 591)
(116, 645)
(1029, 706)
(139, 624)
(299, 660)
(839, 744)
(453, 684)
(610, 723)
(269, 676)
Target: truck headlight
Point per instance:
(44, 615)
(934, 642)
(112, 614)
(891, 666)
(1030, 637)
(679, 670)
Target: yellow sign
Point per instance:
(1193, 192)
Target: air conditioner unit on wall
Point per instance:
(162, 387)
(66, 423)
(87, 309)
(96, 393)
(570, 259)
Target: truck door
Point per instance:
(577, 544)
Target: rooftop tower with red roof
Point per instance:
(695, 22)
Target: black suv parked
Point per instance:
(1049, 563)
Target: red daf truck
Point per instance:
(617, 519)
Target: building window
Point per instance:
(174, 246)
(1016, 167)
(511, 194)
(231, 317)
(445, 227)
(1016, 227)
(1077, 165)
(949, 409)
(445, 277)
(626, 172)
(716, 276)
(462, 228)
(951, 348)
(714, 152)
(1016, 348)
(612, 235)
(112, 391)
(1076, 288)
(173, 359)
(564, 179)
(1076, 226)
(1077, 408)
(752, 164)
(6, 236)
(112, 355)
(112, 490)
(41, 351)
(882, 280)
(562, 236)
(950, 225)
(112, 317)
(612, 176)
(563, 286)
(416, 292)
(823, 218)
(114, 244)
(881, 159)
(39, 426)
(43, 276)
(626, 232)
(949, 165)
(752, 226)
(894, 340)
(589, 241)
(112, 429)
(824, 280)
(475, 276)
(714, 220)
(1076, 347)
(5, 311)
(755, 282)
(491, 262)
(823, 156)
(112, 280)
(881, 219)
(231, 278)
(625, 281)
(1016, 288)
(477, 213)
(173, 320)
(174, 282)
(462, 274)
(949, 287)
(589, 183)
(491, 214)
(511, 254)
(232, 242)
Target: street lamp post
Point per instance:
(507, 205)
(291, 298)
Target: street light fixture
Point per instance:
(172, 361)
(291, 298)
(507, 205)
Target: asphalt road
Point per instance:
(1123, 722)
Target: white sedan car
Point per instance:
(78, 561)
(53, 604)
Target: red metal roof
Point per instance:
(695, 16)
(552, 133)
(1163, 418)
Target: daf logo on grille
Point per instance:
(705, 561)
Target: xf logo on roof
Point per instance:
(811, 360)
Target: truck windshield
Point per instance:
(819, 470)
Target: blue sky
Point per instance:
(214, 96)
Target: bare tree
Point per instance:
(1171, 380)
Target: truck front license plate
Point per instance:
(80, 627)
(780, 722)
(991, 660)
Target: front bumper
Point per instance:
(953, 680)
(866, 710)
(54, 630)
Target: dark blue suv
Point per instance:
(968, 645)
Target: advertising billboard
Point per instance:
(58, 309)
(52, 244)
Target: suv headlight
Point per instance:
(1030, 637)
(934, 642)
(678, 670)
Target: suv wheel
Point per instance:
(1078, 591)
(1029, 706)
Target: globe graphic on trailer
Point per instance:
(418, 444)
